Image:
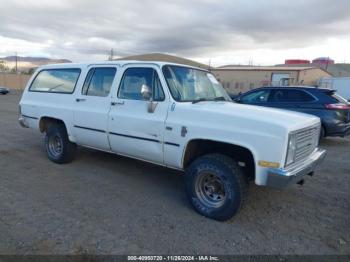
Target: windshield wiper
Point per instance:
(220, 98)
(199, 100)
(52, 88)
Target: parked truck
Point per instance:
(175, 116)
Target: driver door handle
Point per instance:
(117, 103)
(80, 99)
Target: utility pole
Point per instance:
(111, 56)
(327, 63)
(16, 62)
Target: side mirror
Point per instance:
(146, 92)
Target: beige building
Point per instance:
(236, 79)
(16, 81)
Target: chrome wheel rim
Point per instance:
(55, 145)
(210, 190)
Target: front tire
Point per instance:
(216, 186)
(58, 147)
(323, 133)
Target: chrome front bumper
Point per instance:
(280, 178)
(22, 122)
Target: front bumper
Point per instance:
(280, 178)
(340, 129)
(23, 122)
(346, 130)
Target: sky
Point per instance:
(262, 32)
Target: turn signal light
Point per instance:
(268, 164)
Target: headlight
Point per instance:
(292, 145)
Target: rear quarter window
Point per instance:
(56, 81)
(339, 99)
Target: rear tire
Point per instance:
(216, 186)
(58, 147)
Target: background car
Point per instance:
(332, 109)
(4, 90)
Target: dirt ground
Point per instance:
(107, 204)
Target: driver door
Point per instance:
(133, 130)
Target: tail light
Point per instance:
(338, 106)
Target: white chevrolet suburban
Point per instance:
(175, 116)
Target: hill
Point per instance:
(26, 63)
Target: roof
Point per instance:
(323, 58)
(115, 62)
(165, 58)
(339, 70)
(265, 68)
(300, 87)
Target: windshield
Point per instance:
(190, 85)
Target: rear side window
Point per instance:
(289, 95)
(56, 81)
(98, 81)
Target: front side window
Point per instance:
(256, 97)
(188, 84)
(136, 77)
(56, 80)
(99, 81)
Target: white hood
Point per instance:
(226, 111)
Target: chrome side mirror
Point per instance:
(146, 92)
(151, 106)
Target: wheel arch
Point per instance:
(45, 122)
(243, 154)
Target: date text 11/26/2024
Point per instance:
(173, 258)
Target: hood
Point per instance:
(289, 120)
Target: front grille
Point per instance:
(307, 141)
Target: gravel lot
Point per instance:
(106, 204)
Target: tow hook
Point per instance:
(301, 182)
(311, 174)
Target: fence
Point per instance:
(16, 81)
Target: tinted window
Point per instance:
(256, 97)
(99, 81)
(290, 95)
(135, 78)
(56, 80)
